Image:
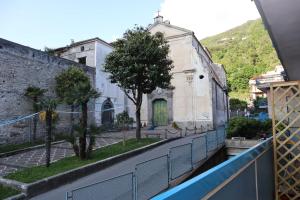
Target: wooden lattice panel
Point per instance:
(286, 135)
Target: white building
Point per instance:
(263, 80)
(92, 53)
(199, 97)
(260, 85)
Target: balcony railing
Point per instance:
(248, 176)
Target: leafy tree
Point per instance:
(73, 87)
(50, 51)
(236, 104)
(139, 64)
(66, 81)
(35, 94)
(248, 128)
(49, 105)
(123, 119)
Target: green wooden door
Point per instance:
(160, 112)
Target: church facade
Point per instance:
(199, 97)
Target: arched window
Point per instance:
(107, 112)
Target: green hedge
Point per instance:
(248, 128)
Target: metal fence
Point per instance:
(247, 176)
(19, 129)
(211, 140)
(117, 188)
(180, 160)
(154, 176)
(199, 150)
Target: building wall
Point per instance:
(103, 84)
(20, 67)
(75, 52)
(95, 52)
(194, 99)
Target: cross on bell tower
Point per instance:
(158, 18)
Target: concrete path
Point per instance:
(115, 170)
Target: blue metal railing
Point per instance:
(248, 176)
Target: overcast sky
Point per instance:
(53, 23)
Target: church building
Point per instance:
(200, 94)
(92, 52)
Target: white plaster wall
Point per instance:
(144, 110)
(202, 87)
(75, 52)
(191, 100)
(103, 84)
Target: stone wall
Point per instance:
(20, 67)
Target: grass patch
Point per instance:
(7, 192)
(39, 172)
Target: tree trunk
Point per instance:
(48, 137)
(35, 120)
(82, 138)
(72, 119)
(138, 122)
(138, 114)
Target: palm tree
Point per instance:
(74, 88)
(35, 94)
(49, 105)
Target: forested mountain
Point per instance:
(245, 51)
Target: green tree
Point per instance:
(35, 94)
(49, 105)
(66, 81)
(123, 120)
(139, 64)
(236, 104)
(73, 87)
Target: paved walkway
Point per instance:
(123, 167)
(36, 157)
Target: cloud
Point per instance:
(208, 17)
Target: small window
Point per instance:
(82, 48)
(82, 60)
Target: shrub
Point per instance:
(237, 104)
(123, 120)
(248, 128)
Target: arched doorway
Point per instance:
(107, 112)
(160, 112)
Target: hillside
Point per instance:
(245, 51)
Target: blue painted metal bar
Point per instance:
(201, 185)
